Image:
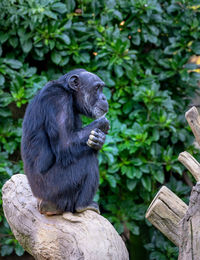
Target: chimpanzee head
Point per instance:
(87, 91)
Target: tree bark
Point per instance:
(80, 236)
(190, 228)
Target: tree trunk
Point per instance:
(80, 236)
(190, 228)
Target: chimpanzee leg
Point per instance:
(85, 198)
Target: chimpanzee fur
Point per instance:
(60, 157)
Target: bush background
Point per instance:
(140, 49)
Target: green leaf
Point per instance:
(27, 46)
(118, 70)
(136, 39)
(2, 79)
(13, 41)
(191, 66)
(59, 7)
(19, 250)
(111, 180)
(5, 99)
(159, 176)
(107, 92)
(56, 57)
(152, 38)
(131, 184)
(85, 57)
(6, 250)
(119, 227)
(177, 168)
(137, 172)
(3, 37)
(70, 4)
(118, 15)
(146, 182)
(133, 228)
(137, 129)
(50, 14)
(196, 48)
(65, 38)
(136, 161)
(79, 27)
(15, 64)
(129, 172)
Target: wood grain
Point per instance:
(165, 212)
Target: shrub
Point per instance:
(140, 49)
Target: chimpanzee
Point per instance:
(60, 157)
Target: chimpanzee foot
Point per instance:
(48, 208)
(92, 206)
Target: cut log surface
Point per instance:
(83, 236)
(165, 212)
(191, 164)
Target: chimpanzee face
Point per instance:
(89, 96)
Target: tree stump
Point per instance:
(83, 236)
(179, 222)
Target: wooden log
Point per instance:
(193, 118)
(189, 247)
(83, 236)
(191, 164)
(165, 212)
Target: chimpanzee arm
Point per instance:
(67, 144)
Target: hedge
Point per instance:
(141, 49)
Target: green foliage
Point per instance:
(140, 49)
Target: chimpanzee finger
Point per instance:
(97, 132)
(93, 145)
(96, 139)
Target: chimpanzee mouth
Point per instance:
(99, 112)
(103, 110)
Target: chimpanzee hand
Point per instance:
(103, 124)
(96, 139)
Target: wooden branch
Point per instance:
(165, 213)
(189, 247)
(169, 214)
(193, 118)
(85, 235)
(191, 164)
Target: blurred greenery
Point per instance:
(140, 49)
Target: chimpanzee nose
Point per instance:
(104, 103)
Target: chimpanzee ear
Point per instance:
(74, 82)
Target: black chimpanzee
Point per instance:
(60, 157)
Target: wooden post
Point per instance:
(193, 119)
(165, 213)
(181, 224)
(189, 247)
(191, 164)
